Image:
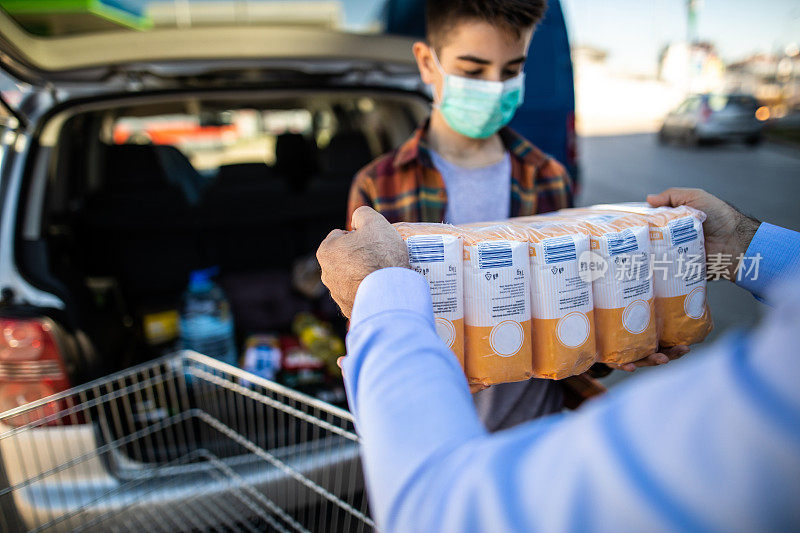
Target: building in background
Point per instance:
(697, 67)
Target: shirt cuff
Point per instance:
(772, 255)
(392, 289)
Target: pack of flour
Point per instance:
(436, 252)
(497, 309)
(562, 307)
(622, 284)
(679, 271)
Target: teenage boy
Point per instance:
(463, 165)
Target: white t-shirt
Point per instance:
(476, 194)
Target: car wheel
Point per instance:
(753, 140)
(691, 138)
(662, 136)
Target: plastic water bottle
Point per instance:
(206, 322)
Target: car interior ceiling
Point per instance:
(126, 224)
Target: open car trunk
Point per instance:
(142, 192)
(148, 155)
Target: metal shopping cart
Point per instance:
(183, 443)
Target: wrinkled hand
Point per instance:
(664, 356)
(726, 230)
(347, 258)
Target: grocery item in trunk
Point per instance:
(206, 323)
(299, 367)
(262, 356)
(318, 338)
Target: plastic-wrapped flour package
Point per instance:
(436, 252)
(679, 271)
(562, 307)
(497, 310)
(622, 285)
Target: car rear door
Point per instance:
(689, 117)
(735, 113)
(120, 60)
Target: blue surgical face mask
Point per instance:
(478, 108)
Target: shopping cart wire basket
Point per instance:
(182, 443)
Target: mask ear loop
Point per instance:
(437, 102)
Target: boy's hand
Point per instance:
(347, 258)
(664, 356)
(727, 231)
(476, 387)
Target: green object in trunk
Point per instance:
(64, 17)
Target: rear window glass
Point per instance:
(211, 139)
(720, 102)
(211, 136)
(214, 139)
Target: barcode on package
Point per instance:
(601, 219)
(682, 230)
(425, 249)
(559, 249)
(494, 255)
(623, 242)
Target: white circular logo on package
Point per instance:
(591, 266)
(506, 338)
(636, 317)
(573, 330)
(446, 331)
(695, 303)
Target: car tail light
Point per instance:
(705, 113)
(572, 141)
(572, 153)
(31, 368)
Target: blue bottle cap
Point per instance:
(201, 279)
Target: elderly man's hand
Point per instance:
(727, 231)
(347, 258)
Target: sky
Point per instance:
(633, 31)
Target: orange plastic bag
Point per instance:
(679, 273)
(562, 308)
(497, 310)
(436, 252)
(624, 306)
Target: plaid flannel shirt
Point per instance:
(404, 186)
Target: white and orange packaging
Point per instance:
(622, 284)
(497, 310)
(562, 304)
(679, 271)
(436, 252)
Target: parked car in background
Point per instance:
(715, 117)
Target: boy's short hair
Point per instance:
(514, 16)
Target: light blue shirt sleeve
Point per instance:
(773, 255)
(711, 444)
